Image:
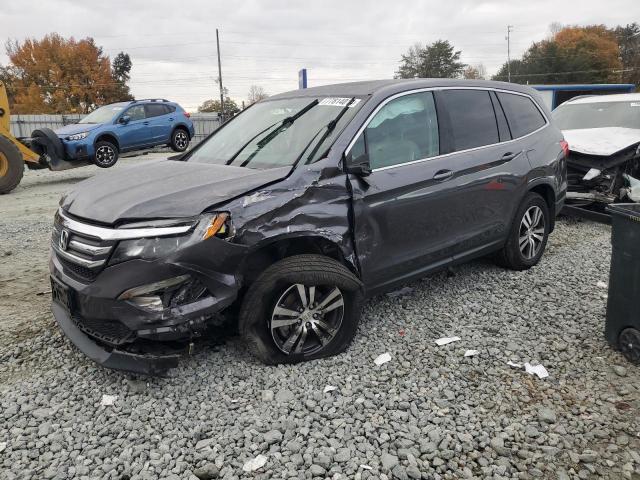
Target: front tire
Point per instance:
(629, 343)
(179, 140)
(301, 308)
(106, 154)
(528, 235)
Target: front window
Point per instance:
(103, 114)
(598, 115)
(278, 133)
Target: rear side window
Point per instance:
(155, 110)
(523, 115)
(169, 108)
(403, 130)
(471, 118)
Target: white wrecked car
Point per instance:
(603, 133)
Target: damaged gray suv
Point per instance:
(290, 214)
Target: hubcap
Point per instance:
(181, 140)
(629, 342)
(531, 232)
(105, 155)
(4, 165)
(306, 318)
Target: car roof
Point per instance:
(393, 86)
(618, 97)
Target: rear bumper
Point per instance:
(148, 364)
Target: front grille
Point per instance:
(110, 331)
(81, 255)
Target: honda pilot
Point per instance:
(289, 215)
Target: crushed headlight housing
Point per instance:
(171, 292)
(78, 136)
(210, 225)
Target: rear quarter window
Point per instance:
(522, 114)
(472, 121)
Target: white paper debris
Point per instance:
(515, 365)
(446, 340)
(3, 445)
(538, 370)
(601, 285)
(329, 388)
(382, 359)
(108, 400)
(255, 463)
(471, 353)
(365, 467)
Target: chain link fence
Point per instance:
(23, 125)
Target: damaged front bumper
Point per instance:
(128, 333)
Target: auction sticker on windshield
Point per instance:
(339, 102)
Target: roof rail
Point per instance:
(149, 100)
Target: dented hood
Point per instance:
(164, 189)
(601, 141)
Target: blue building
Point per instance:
(554, 95)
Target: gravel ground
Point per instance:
(430, 412)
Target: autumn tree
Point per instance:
(256, 93)
(571, 55)
(437, 60)
(59, 75)
(475, 72)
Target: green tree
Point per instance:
(121, 73)
(438, 60)
(572, 55)
(629, 45)
(213, 106)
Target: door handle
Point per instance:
(510, 156)
(145, 123)
(443, 175)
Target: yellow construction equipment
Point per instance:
(13, 153)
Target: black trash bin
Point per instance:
(622, 329)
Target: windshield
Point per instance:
(278, 133)
(598, 115)
(102, 114)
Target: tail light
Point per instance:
(187, 114)
(565, 148)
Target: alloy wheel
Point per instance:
(531, 234)
(105, 155)
(181, 140)
(306, 318)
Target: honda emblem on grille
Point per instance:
(64, 240)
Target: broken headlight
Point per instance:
(211, 225)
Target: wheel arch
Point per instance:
(274, 249)
(546, 191)
(181, 126)
(107, 137)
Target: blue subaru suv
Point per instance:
(106, 132)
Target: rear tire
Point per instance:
(528, 235)
(277, 326)
(179, 140)
(629, 344)
(106, 154)
(11, 165)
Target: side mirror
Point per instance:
(358, 166)
(124, 119)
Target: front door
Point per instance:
(135, 133)
(403, 211)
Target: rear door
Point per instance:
(135, 133)
(492, 168)
(159, 122)
(403, 210)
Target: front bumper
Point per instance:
(108, 329)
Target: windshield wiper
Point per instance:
(284, 125)
(329, 128)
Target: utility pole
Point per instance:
(508, 38)
(220, 79)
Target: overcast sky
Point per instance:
(265, 42)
